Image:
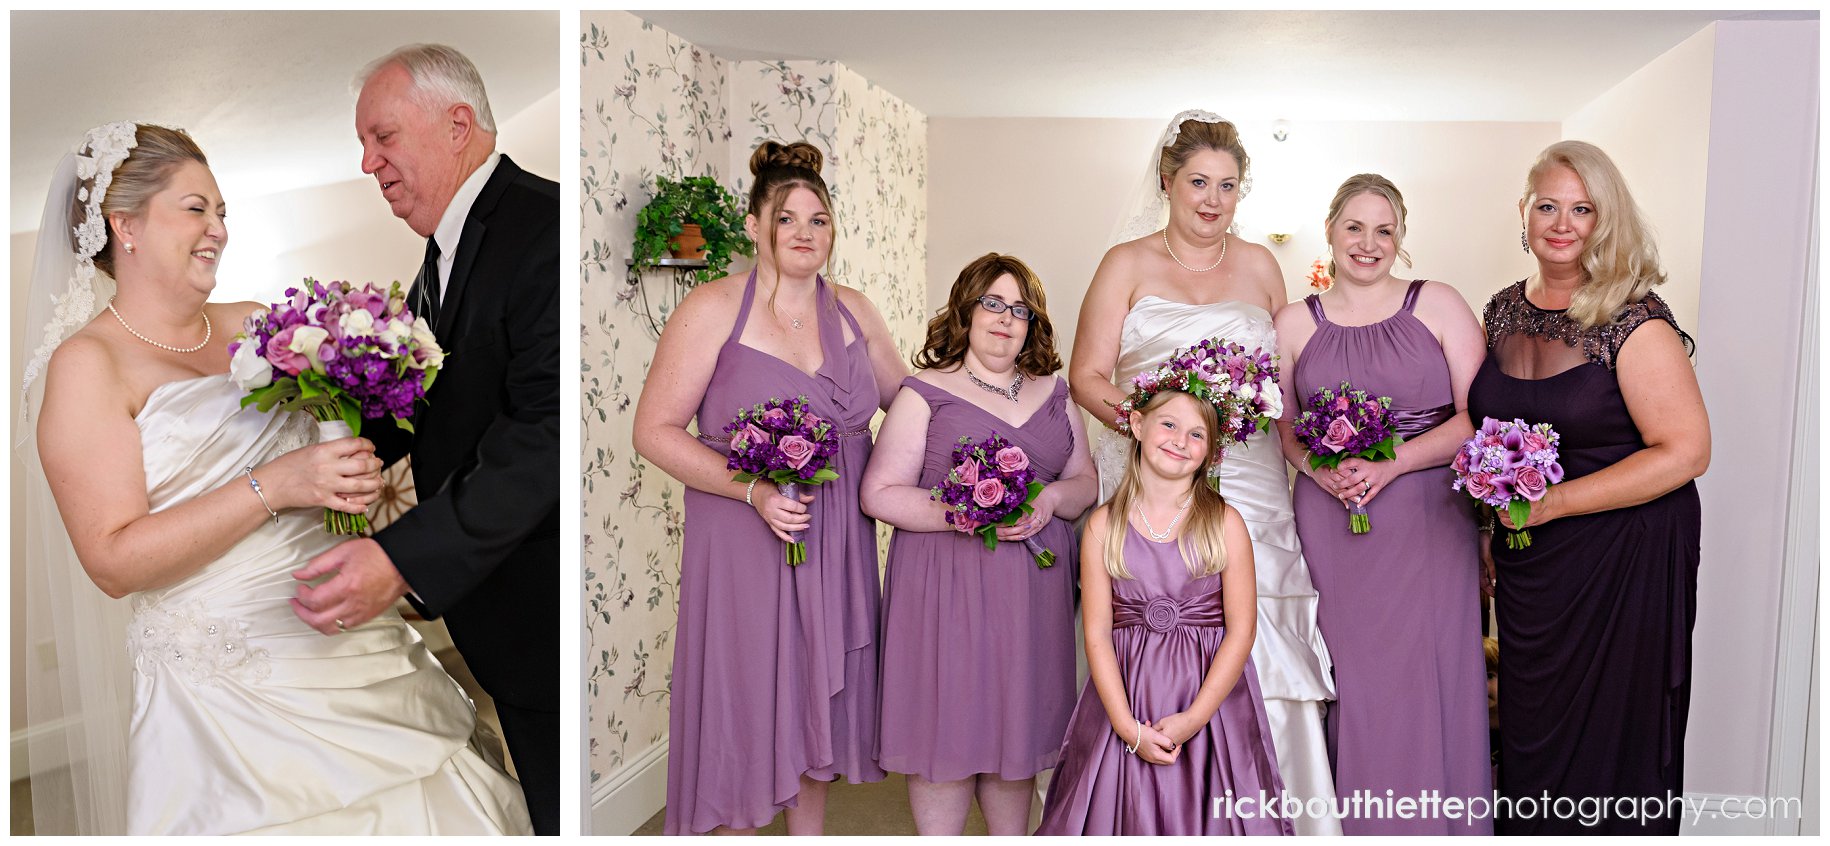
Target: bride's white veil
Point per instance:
(78, 678)
(1147, 210)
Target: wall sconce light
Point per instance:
(1280, 130)
(1279, 237)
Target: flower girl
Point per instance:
(1172, 719)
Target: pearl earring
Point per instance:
(130, 248)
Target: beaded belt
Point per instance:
(722, 440)
(1162, 614)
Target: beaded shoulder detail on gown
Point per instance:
(1510, 313)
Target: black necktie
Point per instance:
(427, 284)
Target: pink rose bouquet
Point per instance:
(1338, 425)
(342, 353)
(784, 442)
(991, 485)
(1509, 464)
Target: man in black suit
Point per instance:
(481, 548)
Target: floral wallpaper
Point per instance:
(651, 103)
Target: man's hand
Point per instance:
(365, 584)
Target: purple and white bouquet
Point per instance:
(1338, 425)
(784, 442)
(1509, 464)
(1241, 385)
(991, 485)
(345, 354)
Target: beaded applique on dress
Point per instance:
(1509, 313)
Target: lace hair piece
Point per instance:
(1149, 206)
(106, 147)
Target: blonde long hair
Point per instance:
(1202, 545)
(1620, 258)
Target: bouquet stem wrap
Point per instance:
(1357, 519)
(337, 522)
(797, 550)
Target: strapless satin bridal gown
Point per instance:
(246, 720)
(1294, 670)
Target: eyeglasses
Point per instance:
(997, 306)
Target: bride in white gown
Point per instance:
(195, 701)
(1170, 282)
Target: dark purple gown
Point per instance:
(1595, 616)
(775, 668)
(1166, 628)
(1399, 605)
(978, 645)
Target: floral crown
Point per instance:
(1240, 384)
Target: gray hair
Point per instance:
(441, 77)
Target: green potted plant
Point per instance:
(692, 217)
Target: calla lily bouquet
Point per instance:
(345, 354)
(1509, 464)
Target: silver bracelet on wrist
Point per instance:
(256, 485)
(747, 492)
(1132, 749)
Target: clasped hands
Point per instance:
(1162, 739)
(1356, 480)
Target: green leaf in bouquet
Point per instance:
(1317, 462)
(991, 539)
(825, 475)
(404, 423)
(1032, 491)
(1520, 511)
(431, 375)
(351, 414)
(746, 477)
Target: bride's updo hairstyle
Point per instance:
(950, 330)
(157, 153)
(1196, 135)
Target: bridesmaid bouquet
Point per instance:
(991, 485)
(782, 441)
(1509, 464)
(342, 353)
(1241, 384)
(1338, 425)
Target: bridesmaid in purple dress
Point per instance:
(1399, 605)
(978, 645)
(1596, 614)
(775, 669)
(1173, 718)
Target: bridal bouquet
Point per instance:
(784, 442)
(991, 485)
(342, 353)
(1338, 425)
(1241, 384)
(1509, 464)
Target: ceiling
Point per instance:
(1302, 65)
(266, 94)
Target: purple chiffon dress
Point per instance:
(1400, 605)
(775, 668)
(1166, 629)
(978, 645)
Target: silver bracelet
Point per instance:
(256, 485)
(749, 490)
(1132, 749)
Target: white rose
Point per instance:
(397, 331)
(433, 354)
(1246, 392)
(357, 323)
(306, 340)
(248, 368)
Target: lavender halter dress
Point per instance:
(775, 669)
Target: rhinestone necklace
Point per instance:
(207, 330)
(1172, 255)
(1010, 393)
(1164, 535)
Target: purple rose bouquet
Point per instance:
(1241, 384)
(784, 442)
(1509, 464)
(991, 485)
(1338, 425)
(342, 353)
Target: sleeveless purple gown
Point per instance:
(1400, 605)
(978, 646)
(775, 668)
(1166, 628)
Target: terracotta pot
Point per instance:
(689, 244)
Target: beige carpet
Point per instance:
(865, 809)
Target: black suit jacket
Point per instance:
(481, 548)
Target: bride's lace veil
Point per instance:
(1148, 208)
(77, 677)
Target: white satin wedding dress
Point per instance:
(246, 720)
(1295, 672)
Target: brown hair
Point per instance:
(157, 153)
(1206, 514)
(779, 169)
(1367, 183)
(948, 331)
(1619, 257)
(1196, 135)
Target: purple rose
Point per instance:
(750, 436)
(1012, 459)
(988, 492)
(1460, 464)
(775, 418)
(797, 450)
(1340, 432)
(282, 357)
(1529, 482)
(1480, 486)
(963, 524)
(1535, 442)
(968, 472)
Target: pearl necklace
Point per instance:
(1172, 255)
(1164, 535)
(1016, 385)
(207, 330)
